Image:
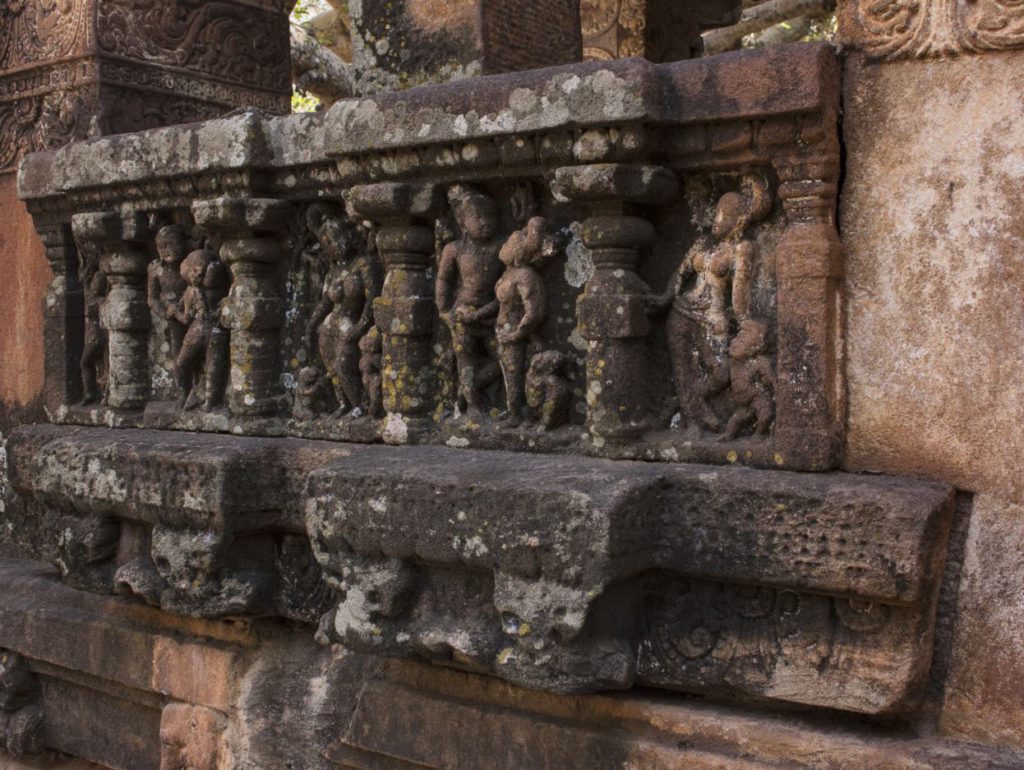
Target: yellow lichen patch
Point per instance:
(731, 456)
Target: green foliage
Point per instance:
(304, 11)
(303, 102)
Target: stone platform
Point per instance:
(561, 573)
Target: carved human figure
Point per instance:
(521, 305)
(371, 367)
(312, 393)
(467, 273)
(709, 294)
(751, 380)
(345, 312)
(204, 347)
(165, 285)
(94, 351)
(549, 389)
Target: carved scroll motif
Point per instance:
(42, 122)
(230, 41)
(42, 30)
(892, 29)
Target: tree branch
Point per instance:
(760, 17)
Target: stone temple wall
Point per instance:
(621, 414)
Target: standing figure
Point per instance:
(94, 351)
(709, 294)
(204, 348)
(165, 286)
(521, 305)
(345, 312)
(467, 273)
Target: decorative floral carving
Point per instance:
(43, 122)
(231, 41)
(891, 29)
(42, 30)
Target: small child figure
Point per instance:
(548, 389)
(370, 365)
(311, 394)
(751, 380)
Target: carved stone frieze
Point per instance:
(495, 274)
(559, 573)
(593, 575)
(34, 31)
(900, 29)
(233, 41)
(70, 69)
(208, 529)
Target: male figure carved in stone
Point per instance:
(521, 305)
(467, 273)
(204, 348)
(165, 286)
(708, 294)
(345, 312)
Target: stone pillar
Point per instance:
(251, 229)
(125, 313)
(405, 312)
(809, 268)
(657, 30)
(611, 312)
(405, 43)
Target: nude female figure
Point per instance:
(709, 293)
(345, 312)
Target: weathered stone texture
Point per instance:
(986, 678)
(935, 327)
(931, 219)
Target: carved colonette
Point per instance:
(656, 241)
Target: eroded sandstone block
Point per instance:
(559, 573)
(578, 575)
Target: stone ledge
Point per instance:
(559, 573)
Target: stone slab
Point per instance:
(573, 575)
(561, 573)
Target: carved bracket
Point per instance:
(557, 573)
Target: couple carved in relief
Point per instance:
(490, 294)
(186, 288)
(716, 344)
